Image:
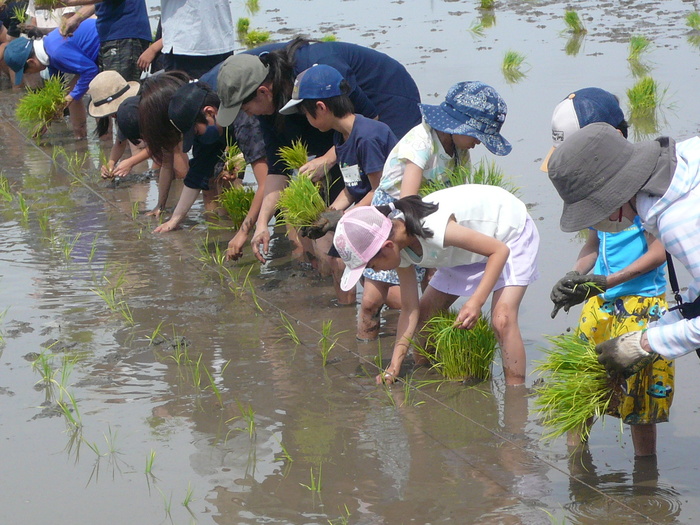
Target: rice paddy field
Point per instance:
(143, 381)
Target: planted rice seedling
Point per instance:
(638, 45)
(487, 4)
(43, 219)
(150, 459)
(315, 483)
(68, 245)
(291, 332)
(459, 354)
(39, 107)
(512, 62)
(692, 20)
(485, 172)
(576, 387)
(253, 6)
(23, 207)
(156, 334)
(69, 409)
(189, 496)
(43, 364)
(409, 390)
(242, 27)
(248, 416)
(644, 95)
(328, 341)
(93, 247)
(236, 200)
(135, 210)
(125, 312)
(574, 23)
(341, 520)
(255, 38)
(300, 202)
(5, 190)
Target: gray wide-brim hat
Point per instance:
(596, 171)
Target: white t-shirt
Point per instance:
(48, 18)
(423, 148)
(197, 27)
(489, 210)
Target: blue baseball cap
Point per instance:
(577, 110)
(16, 54)
(473, 109)
(318, 82)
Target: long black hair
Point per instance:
(280, 74)
(414, 210)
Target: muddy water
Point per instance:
(448, 454)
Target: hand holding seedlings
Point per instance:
(468, 315)
(625, 355)
(574, 288)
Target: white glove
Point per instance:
(624, 355)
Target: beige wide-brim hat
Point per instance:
(107, 91)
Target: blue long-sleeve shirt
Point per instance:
(76, 54)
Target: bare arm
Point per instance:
(374, 181)
(235, 245)
(274, 184)
(342, 201)
(318, 167)
(588, 254)
(165, 179)
(187, 198)
(70, 24)
(412, 179)
(408, 321)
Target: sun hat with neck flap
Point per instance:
(597, 170)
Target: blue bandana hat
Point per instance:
(473, 109)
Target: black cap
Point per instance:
(185, 106)
(128, 119)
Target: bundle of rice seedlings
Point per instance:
(638, 45)
(692, 20)
(40, 106)
(255, 38)
(644, 94)
(300, 202)
(236, 200)
(233, 159)
(512, 62)
(573, 22)
(295, 156)
(575, 387)
(19, 13)
(458, 354)
(485, 172)
(242, 27)
(487, 4)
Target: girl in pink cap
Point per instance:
(480, 238)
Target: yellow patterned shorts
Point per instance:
(648, 394)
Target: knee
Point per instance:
(503, 320)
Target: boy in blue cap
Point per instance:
(75, 55)
(362, 146)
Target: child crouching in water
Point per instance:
(480, 238)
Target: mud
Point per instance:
(434, 453)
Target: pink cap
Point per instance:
(359, 236)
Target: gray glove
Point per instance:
(624, 355)
(574, 288)
(325, 223)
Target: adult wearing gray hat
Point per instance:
(604, 180)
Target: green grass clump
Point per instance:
(638, 45)
(487, 4)
(644, 95)
(236, 200)
(39, 107)
(692, 20)
(242, 27)
(253, 6)
(329, 38)
(255, 38)
(573, 22)
(485, 172)
(48, 4)
(295, 156)
(512, 62)
(459, 354)
(300, 202)
(19, 13)
(576, 387)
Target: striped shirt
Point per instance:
(675, 220)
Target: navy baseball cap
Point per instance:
(318, 82)
(128, 119)
(16, 54)
(580, 108)
(184, 107)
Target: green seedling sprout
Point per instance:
(125, 312)
(295, 156)
(68, 245)
(315, 484)
(409, 387)
(255, 38)
(329, 38)
(150, 459)
(477, 29)
(19, 13)
(576, 387)
(486, 4)
(189, 496)
(638, 45)
(23, 207)
(237, 200)
(252, 6)
(155, 334)
(134, 210)
(291, 332)
(692, 20)
(328, 340)
(300, 202)
(242, 27)
(70, 410)
(93, 247)
(48, 4)
(233, 159)
(341, 520)
(573, 22)
(458, 354)
(248, 416)
(644, 95)
(167, 502)
(485, 172)
(5, 190)
(512, 62)
(39, 107)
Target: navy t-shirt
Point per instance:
(365, 151)
(122, 19)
